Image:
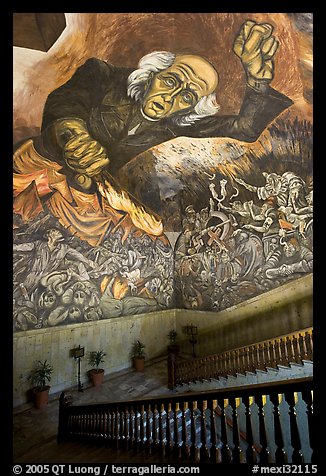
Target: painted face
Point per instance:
(49, 300)
(74, 313)
(289, 250)
(79, 296)
(180, 87)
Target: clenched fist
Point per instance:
(255, 46)
(84, 155)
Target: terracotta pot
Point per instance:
(41, 397)
(139, 364)
(96, 376)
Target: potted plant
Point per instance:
(40, 376)
(139, 356)
(173, 347)
(96, 374)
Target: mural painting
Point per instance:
(138, 193)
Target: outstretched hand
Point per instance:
(256, 46)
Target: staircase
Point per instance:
(287, 356)
(252, 421)
(292, 371)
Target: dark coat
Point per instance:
(97, 93)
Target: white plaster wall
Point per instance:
(280, 311)
(115, 336)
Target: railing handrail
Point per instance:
(295, 347)
(258, 389)
(185, 425)
(253, 344)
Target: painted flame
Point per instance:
(139, 216)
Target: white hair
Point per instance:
(158, 61)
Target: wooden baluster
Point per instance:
(138, 428)
(284, 353)
(222, 365)
(262, 357)
(251, 453)
(234, 362)
(240, 361)
(297, 350)
(94, 422)
(162, 429)
(107, 428)
(214, 366)
(226, 452)
(307, 397)
(97, 425)
(177, 430)
(186, 435)
(142, 428)
(214, 456)
(84, 417)
(193, 406)
(267, 355)
(237, 454)
(257, 357)
(117, 427)
(87, 425)
(273, 354)
(169, 428)
(156, 429)
(264, 454)
(309, 345)
(87, 422)
(227, 363)
(280, 454)
(251, 358)
(132, 427)
(243, 360)
(237, 358)
(149, 429)
(303, 348)
(101, 425)
(290, 349)
(204, 450)
(230, 363)
(203, 368)
(194, 449)
(279, 354)
(126, 429)
(291, 398)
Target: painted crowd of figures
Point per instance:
(228, 253)
(63, 280)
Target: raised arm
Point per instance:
(255, 46)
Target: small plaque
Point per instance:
(78, 352)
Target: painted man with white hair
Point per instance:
(104, 115)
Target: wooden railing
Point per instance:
(194, 426)
(283, 350)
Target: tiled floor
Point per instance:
(33, 428)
